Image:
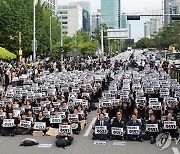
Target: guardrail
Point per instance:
(175, 74)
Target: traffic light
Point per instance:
(135, 17)
(175, 17)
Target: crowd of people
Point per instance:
(56, 98)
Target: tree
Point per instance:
(20, 19)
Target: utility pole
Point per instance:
(34, 31)
(50, 35)
(102, 43)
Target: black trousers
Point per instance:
(8, 131)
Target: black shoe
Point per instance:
(140, 140)
(12, 134)
(152, 140)
(94, 138)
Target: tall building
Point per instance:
(86, 14)
(71, 18)
(111, 13)
(152, 26)
(95, 20)
(52, 4)
(170, 7)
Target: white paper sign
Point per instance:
(101, 130)
(133, 130)
(8, 122)
(117, 131)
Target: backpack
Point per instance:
(28, 142)
(62, 143)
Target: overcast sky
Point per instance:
(129, 6)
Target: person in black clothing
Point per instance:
(151, 134)
(118, 122)
(101, 122)
(22, 130)
(9, 131)
(173, 132)
(134, 122)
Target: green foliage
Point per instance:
(167, 36)
(6, 55)
(17, 16)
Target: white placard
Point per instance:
(16, 113)
(8, 123)
(25, 123)
(55, 119)
(152, 127)
(133, 130)
(39, 125)
(65, 129)
(117, 131)
(101, 130)
(73, 117)
(169, 124)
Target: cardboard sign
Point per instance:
(78, 102)
(106, 103)
(64, 129)
(140, 101)
(8, 123)
(39, 125)
(55, 119)
(25, 123)
(85, 104)
(115, 102)
(155, 105)
(73, 117)
(152, 127)
(36, 110)
(171, 101)
(169, 124)
(133, 130)
(2, 115)
(16, 113)
(101, 130)
(56, 104)
(117, 131)
(62, 115)
(46, 114)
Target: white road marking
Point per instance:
(175, 150)
(90, 126)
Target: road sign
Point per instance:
(114, 34)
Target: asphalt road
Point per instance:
(81, 145)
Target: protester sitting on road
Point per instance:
(134, 133)
(67, 135)
(9, 125)
(152, 129)
(118, 122)
(25, 127)
(101, 133)
(169, 125)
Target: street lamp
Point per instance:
(34, 31)
(50, 35)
